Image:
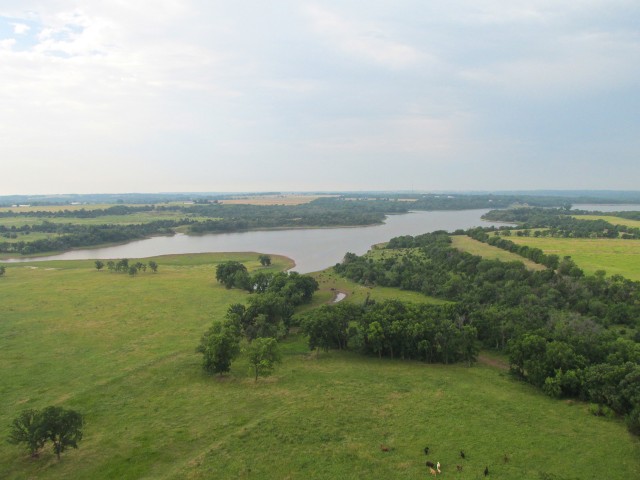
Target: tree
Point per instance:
(220, 345)
(2, 270)
(153, 266)
(26, 429)
(133, 270)
(122, 265)
(228, 273)
(63, 427)
(265, 260)
(263, 354)
(99, 264)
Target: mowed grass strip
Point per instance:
(611, 219)
(475, 247)
(330, 284)
(615, 256)
(274, 199)
(131, 219)
(121, 350)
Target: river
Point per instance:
(312, 249)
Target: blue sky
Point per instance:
(178, 95)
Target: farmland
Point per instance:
(120, 349)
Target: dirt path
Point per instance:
(493, 362)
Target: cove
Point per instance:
(312, 249)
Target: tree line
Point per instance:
(555, 325)
(70, 236)
(394, 329)
(554, 222)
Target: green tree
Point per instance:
(2, 270)
(263, 355)
(133, 270)
(26, 429)
(228, 273)
(122, 265)
(265, 260)
(99, 264)
(219, 345)
(153, 266)
(63, 427)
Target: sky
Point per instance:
(221, 96)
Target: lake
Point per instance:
(312, 249)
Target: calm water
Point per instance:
(312, 249)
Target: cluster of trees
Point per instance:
(559, 223)
(521, 311)
(394, 329)
(260, 324)
(34, 428)
(295, 288)
(123, 266)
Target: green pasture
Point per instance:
(611, 219)
(31, 237)
(134, 218)
(57, 208)
(615, 256)
(121, 350)
(475, 247)
(330, 284)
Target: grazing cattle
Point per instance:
(486, 471)
(459, 467)
(384, 448)
(426, 450)
(438, 467)
(432, 472)
(462, 453)
(431, 464)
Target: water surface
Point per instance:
(312, 249)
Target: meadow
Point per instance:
(615, 256)
(484, 250)
(611, 219)
(121, 350)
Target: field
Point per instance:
(120, 350)
(615, 256)
(474, 247)
(134, 218)
(610, 219)
(273, 199)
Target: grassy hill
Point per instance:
(121, 350)
(474, 247)
(615, 256)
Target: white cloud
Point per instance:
(364, 40)
(206, 90)
(20, 28)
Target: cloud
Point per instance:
(363, 40)
(207, 91)
(20, 28)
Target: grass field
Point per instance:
(615, 256)
(121, 351)
(273, 199)
(474, 247)
(134, 218)
(610, 219)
